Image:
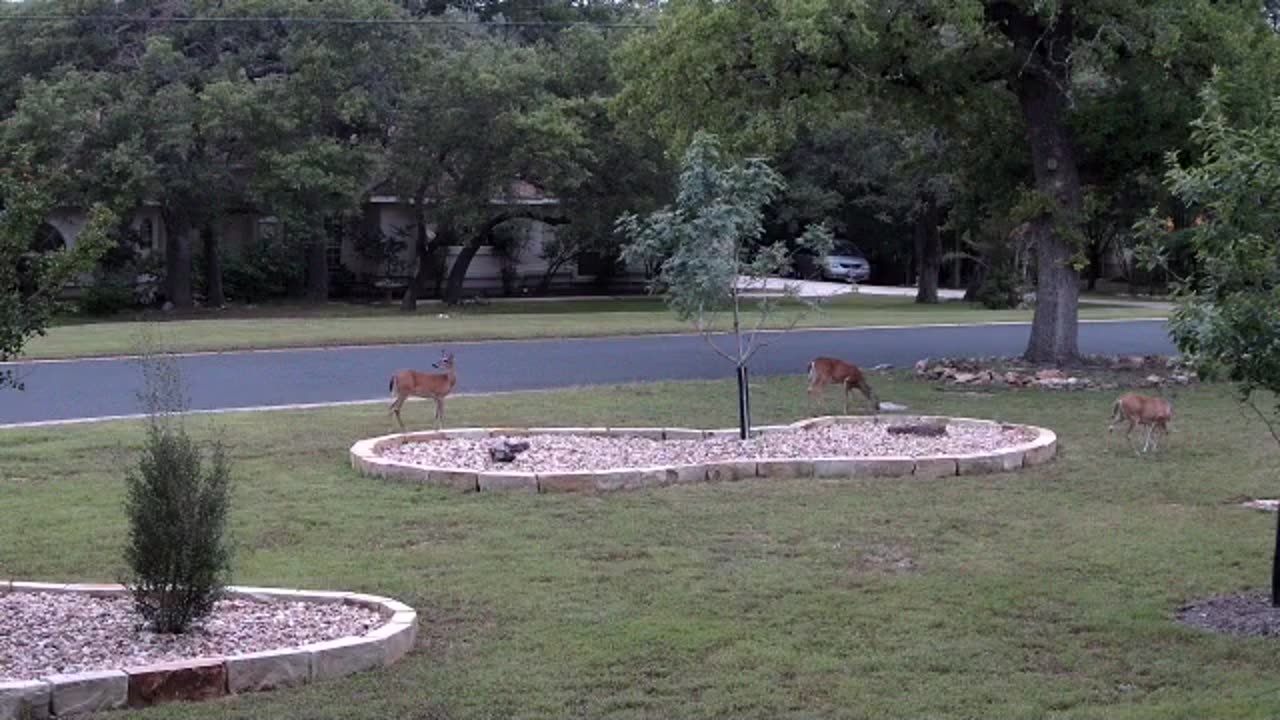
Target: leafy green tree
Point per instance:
(1228, 317)
(762, 70)
(31, 280)
(480, 116)
(706, 243)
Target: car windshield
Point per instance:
(844, 248)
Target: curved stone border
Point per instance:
(210, 677)
(367, 458)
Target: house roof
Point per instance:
(517, 192)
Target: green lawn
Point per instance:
(334, 324)
(1045, 593)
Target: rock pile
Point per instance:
(1095, 373)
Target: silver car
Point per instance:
(845, 263)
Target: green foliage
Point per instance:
(177, 506)
(30, 282)
(1229, 311)
(262, 271)
(708, 239)
(107, 297)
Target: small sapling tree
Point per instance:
(1228, 316)
(707, 250)
(177, 503)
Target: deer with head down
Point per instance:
(825, 370)
(435, 386)
(1154, 412)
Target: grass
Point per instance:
(1045, 593)
(344, 324)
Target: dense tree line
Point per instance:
(1024, 137)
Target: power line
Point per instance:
(299, 20)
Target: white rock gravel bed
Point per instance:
(51, 633)
(561, 453)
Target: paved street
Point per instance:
(93, 388)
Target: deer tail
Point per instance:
(391, 386)
(810, 370)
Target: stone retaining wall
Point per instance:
(204, 678)
(367, 458)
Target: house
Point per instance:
(391, 218)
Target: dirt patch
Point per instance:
(1247, 614)
(890, 558)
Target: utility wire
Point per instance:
(296, 20)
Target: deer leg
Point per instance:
(870, 395)
(814, 392)
(439, 412)
(848, 389)
(395, 410)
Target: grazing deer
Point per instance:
(424, 385)
(1154, 412)
(825, 370)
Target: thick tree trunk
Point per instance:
(1043, 47)
(421, 254)
(214, 294)
(458, 272)
(177, 261)
(1054, 328)
(928, 254)
(317, 268)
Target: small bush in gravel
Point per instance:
(177, 503)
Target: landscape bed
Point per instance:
(69, 649)
(602, 459)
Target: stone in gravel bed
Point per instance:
(58, 633)
(568, 453)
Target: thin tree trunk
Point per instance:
(1054, 328)
(317, 267)
(462, 263)
(214, 294)
(928, 254)
(544, 284)
(1096, 253)
(177, 260)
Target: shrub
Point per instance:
(261, 272)
(106, 298)
(177, 505)
(1000, 290)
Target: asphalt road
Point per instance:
(93, 388)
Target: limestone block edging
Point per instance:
(204, 678)
(367, 458)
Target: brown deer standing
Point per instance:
(825, 370)
(435, 386)
(1154, 412)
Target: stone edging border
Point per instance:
(366, 458)
(210, 677)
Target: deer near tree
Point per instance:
(1154, 412)
(435, 386)
(825, 370)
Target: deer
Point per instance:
(1154, 412)
(826, 370)
(435, 386)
